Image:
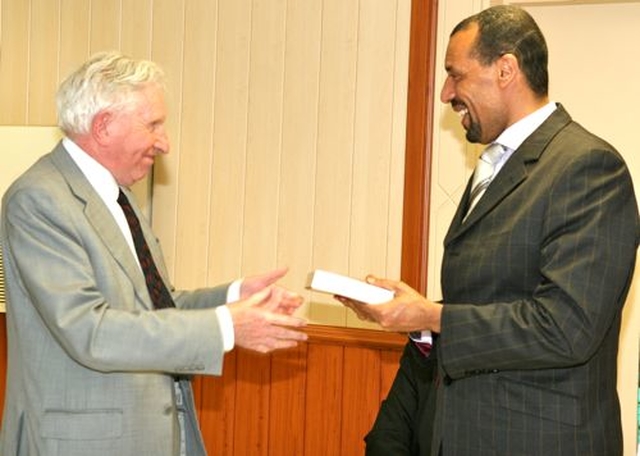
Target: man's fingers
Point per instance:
(260, 297)
(271, 277)
(286, 320)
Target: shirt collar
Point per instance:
(98, 176)
(515, 135)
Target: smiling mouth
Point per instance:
(463, 113)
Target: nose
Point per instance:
(447, 93)
(162, 142)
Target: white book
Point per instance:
(341, 285)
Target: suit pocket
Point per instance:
(544, 403)
(98, 424)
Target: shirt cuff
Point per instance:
(224, 316)
(421, 336)
(233, 292)
(226, 327)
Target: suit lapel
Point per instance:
(513, 173)
(104, 225)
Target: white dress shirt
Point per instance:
(513, 136)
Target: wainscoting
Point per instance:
(319, 399)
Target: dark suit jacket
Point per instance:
(91, 367)
(534, 283)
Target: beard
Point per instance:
(474, 132)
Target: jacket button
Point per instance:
(168, 410)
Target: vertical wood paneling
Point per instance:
(264, 135)
(44, 54)
(136, 28)
(229, 140)
(398, 132)
(287, 428)
(74, 37)
(167, 49)
(216, 403)
(251, 425)
(194, 150)
(334, 158)
(299, 139)
(105, 25)
(324, 399)
(361, 397)
(389, 361)
(372, 150)
(14, 69)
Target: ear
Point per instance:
(508, 68)
(100, 127)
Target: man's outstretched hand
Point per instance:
(263, 319)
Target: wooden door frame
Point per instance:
(419, 135)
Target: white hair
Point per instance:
(105, 81)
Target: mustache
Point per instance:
(457, 104)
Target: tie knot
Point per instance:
(122, 199)
(492, 153)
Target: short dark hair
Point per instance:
(508, 29)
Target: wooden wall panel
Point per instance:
(360, 397)
(287, 428)
(105, 25)
(264, 141)
(136, 27)
(299, 139)
(217, 408)
(334, 150)
(252, 404)
(14, 69)
(43, 60)
(74, 40)
(323, 408)
(225, 213)
(168, 25)
(195, 158)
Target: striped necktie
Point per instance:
(484, 172)
(160, 296)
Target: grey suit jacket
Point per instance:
(90, 367)
(534, 282)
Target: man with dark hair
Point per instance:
(537, 265)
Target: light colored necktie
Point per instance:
(484, 172)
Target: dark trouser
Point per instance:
(405, 419)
